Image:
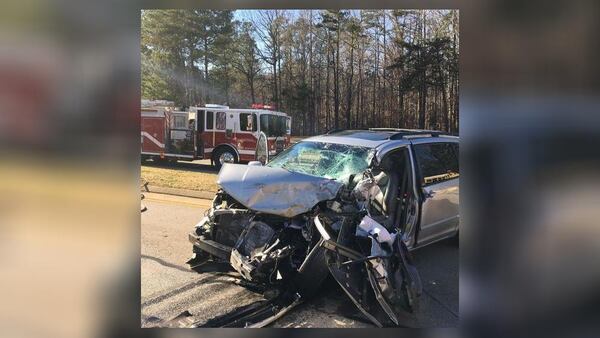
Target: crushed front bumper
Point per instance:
(211, 247)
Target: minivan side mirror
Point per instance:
(255, 163)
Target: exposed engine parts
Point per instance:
(294, 250)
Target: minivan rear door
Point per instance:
(437, 163)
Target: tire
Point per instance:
(159, 161)
(225, 154)
(309, 280)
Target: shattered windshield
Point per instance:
(337, 161)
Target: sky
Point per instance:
(248, 14)
(252, 15)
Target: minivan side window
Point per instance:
(455, 149)
(438, 162)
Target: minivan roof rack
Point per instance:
(332, 131)
(400, 133)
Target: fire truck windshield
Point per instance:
(274, 125)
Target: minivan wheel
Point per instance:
(314, 271)
(222, 156)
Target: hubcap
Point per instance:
(226, 158)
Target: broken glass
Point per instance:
(328, 160)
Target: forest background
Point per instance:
(327, 69)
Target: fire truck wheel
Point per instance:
(224, 155)
(159, 160)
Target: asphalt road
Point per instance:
(169, 289)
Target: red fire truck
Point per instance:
(215, 132)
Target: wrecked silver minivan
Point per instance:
(349, 204)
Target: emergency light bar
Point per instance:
(262, 106)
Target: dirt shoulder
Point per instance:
(179, 178)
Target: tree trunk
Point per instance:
(375, 75)
(251, 85)
(377, 96)
(456, 95)
(384, 101)
(360, 112)
(327, 87)
(275, 98)
(401, 109)
(336, 80)
(206, 83)
(434, 110)
(311, 95)
(445, 108)
(349, 98)
(422, 101)
(358, 123)
(278, 63)
(423, 78)
(226, 85)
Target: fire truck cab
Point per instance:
(215, 132)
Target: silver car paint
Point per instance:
(275, 190)
(440, 215)
(351, 141)
(440, 209)
(260, 191)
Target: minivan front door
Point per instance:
(380, 279)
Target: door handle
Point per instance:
(429, 194)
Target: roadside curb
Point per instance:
(180, 192)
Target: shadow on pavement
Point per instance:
(165, 263)
(182, 165)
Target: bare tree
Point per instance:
(246, 56)
(270, 25)
(327, 69)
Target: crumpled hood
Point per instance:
(275, 190)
